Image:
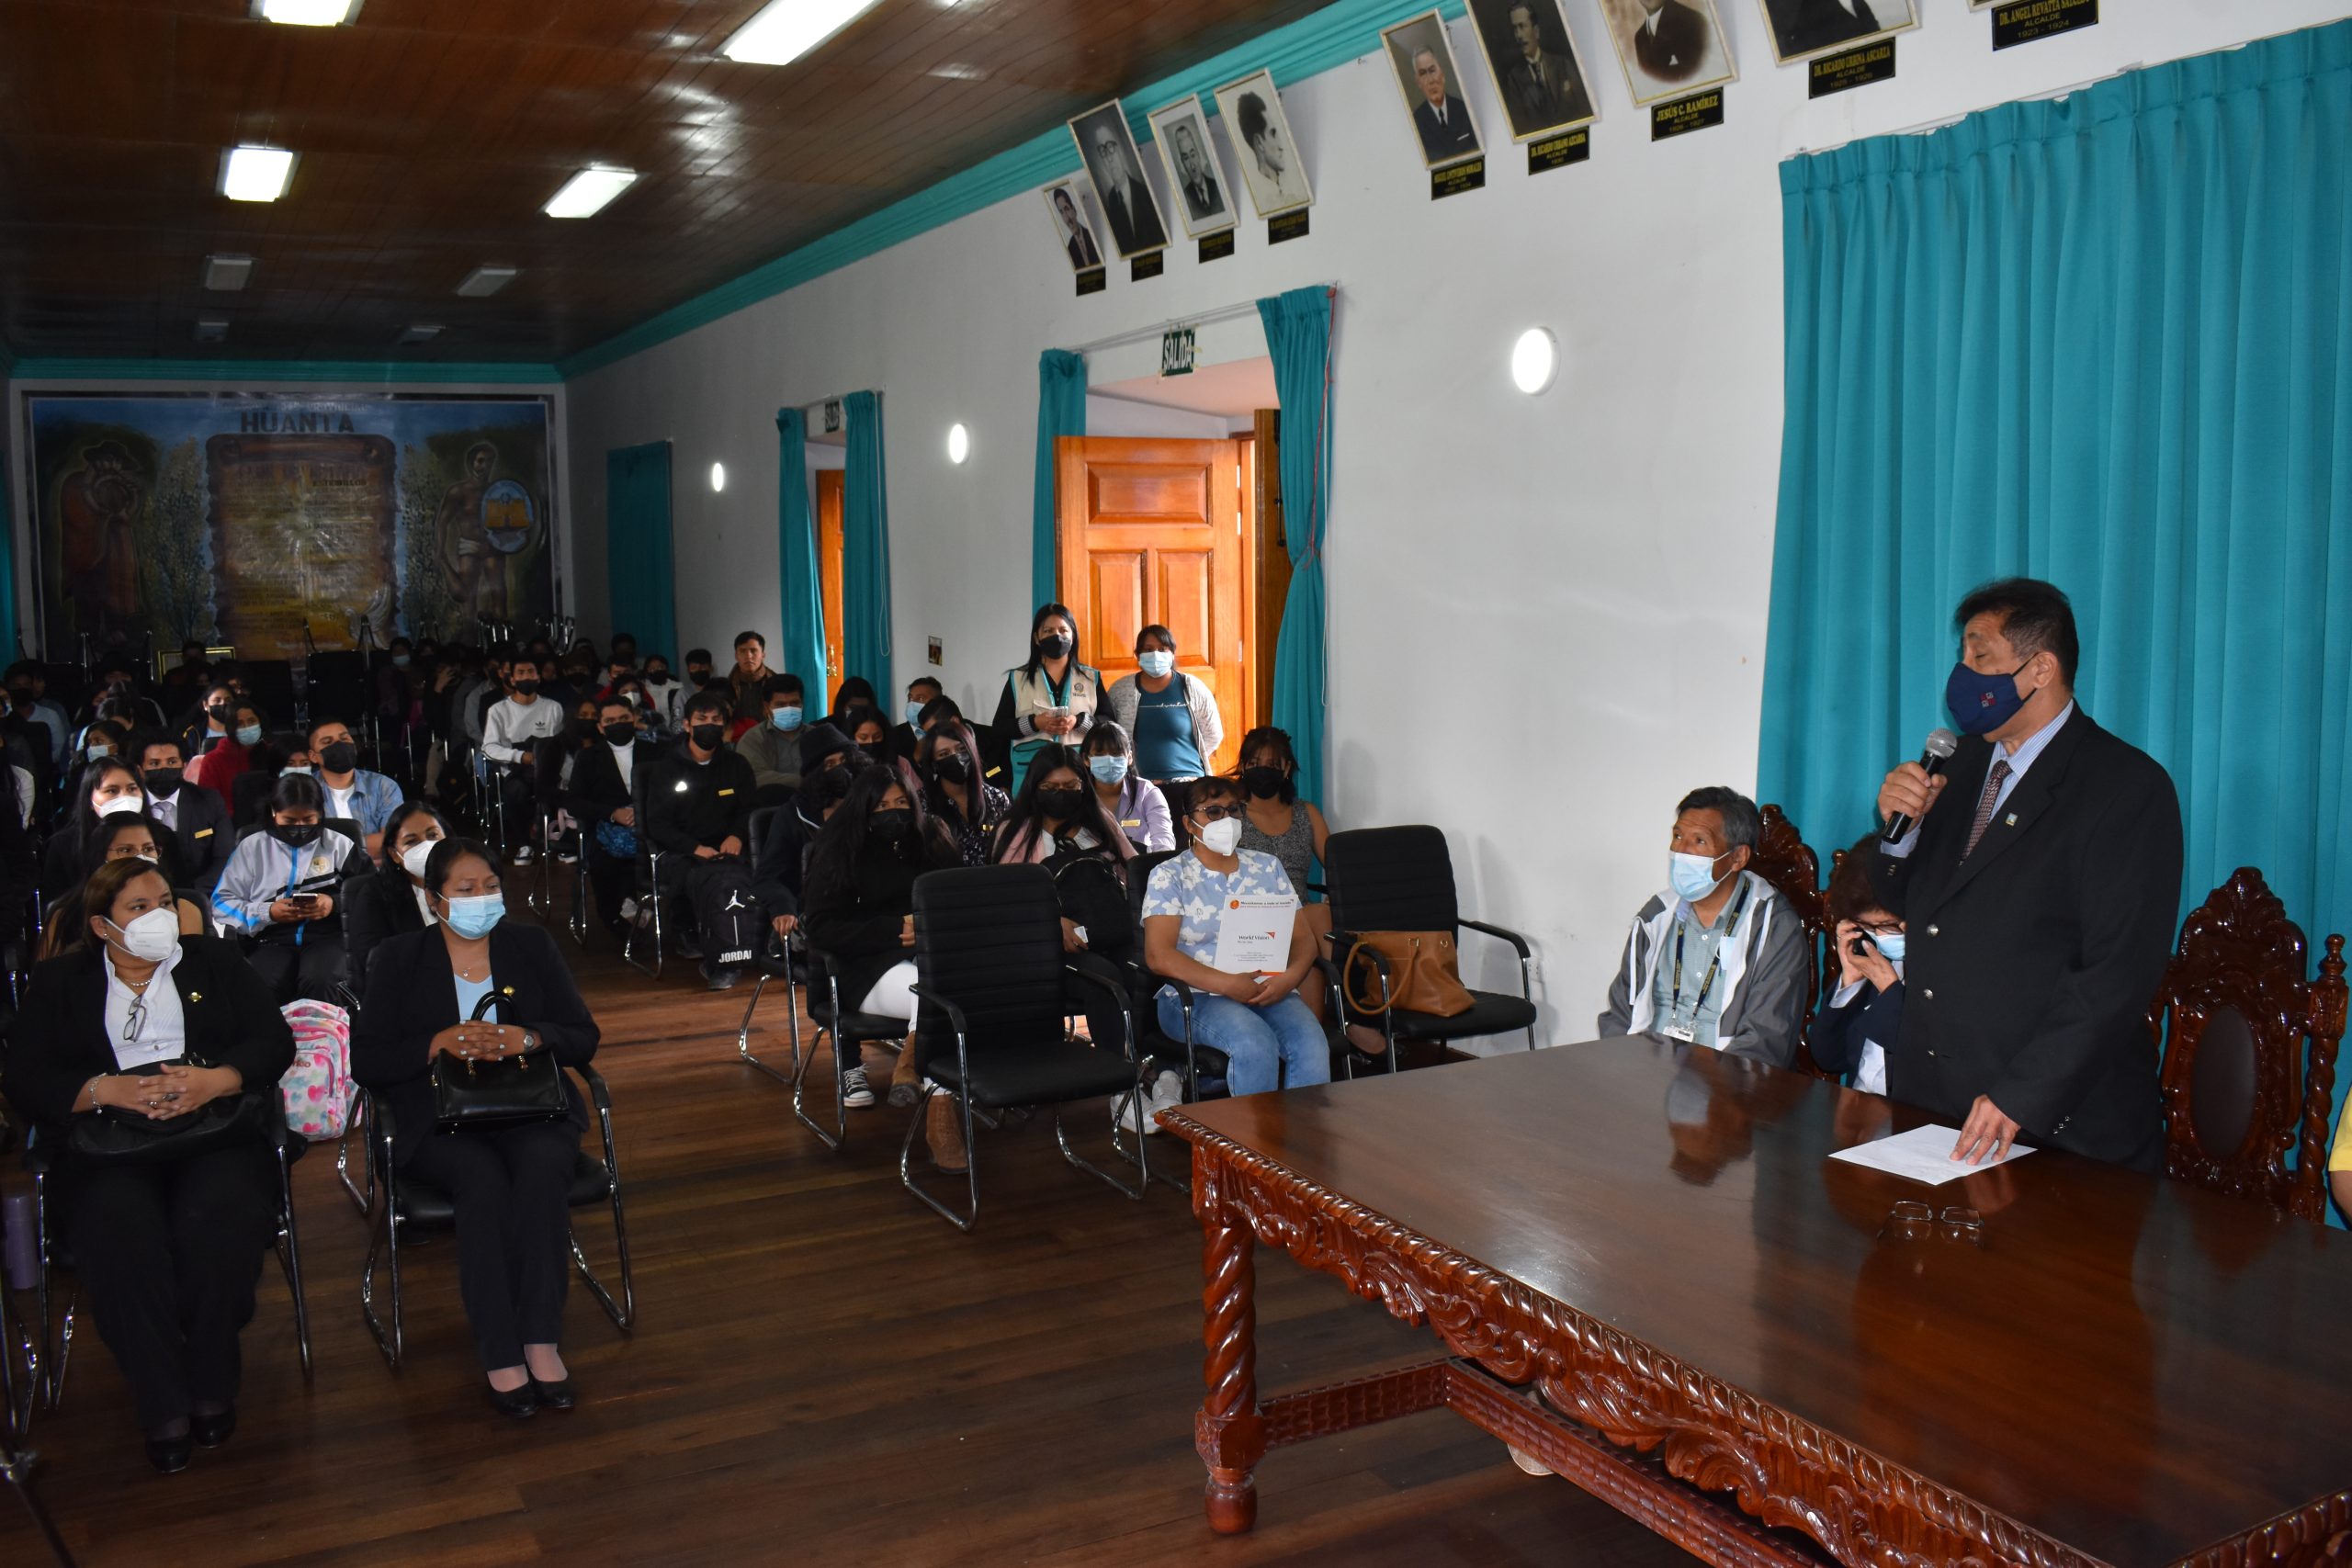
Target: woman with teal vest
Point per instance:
(1052, 699)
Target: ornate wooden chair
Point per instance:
(1784, 859)
(2249, 1049)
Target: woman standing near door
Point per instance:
(1172, 716)
(1050, 700)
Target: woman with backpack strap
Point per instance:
(1058, 822)
(1172, 716)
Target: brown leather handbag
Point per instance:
(1424, 975)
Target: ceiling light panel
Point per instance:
(784, 30)
(255, 173)
(226, 274)
(307, 13)
(485, 281)
(420, 333)
(585, 193)
(212, 329)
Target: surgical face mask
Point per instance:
(1889, 945)
(1108, 770)
(96, 754)
(117, 805)
(914, 712)
(412, 858)
(474, 917)
(1982, 703)
(1157, 662)
(1221, 837)
(297, 768)
(1693, 877)
(150, 936)
(400, 660)
(294, 835)
(339, 757)
(249, 735)
(787, 719)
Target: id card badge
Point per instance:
(1679, 1035)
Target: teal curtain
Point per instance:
(1061, 410)
(7, 568)
(2105, 341)
(640, 581)
(865, 548)
(1298, 336)
(802, 652)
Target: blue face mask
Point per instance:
(914, 712)
(400, 660)
(296, 769)
(474, 917)
(1889, 945)
(1108, 770)
(1159, 661)
(1982, 703)
(94, 752)
(785, 719)
(249, 735)
(1693, 877)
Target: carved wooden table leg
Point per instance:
(1229, 1434)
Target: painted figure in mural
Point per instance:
(476, 566)
(98, 505)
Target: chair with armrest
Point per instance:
(411, 1205)
(1789, 864)
(774, 960)
(847, 1028)
(1401, 879)
(2249, 1047)
(989, 957)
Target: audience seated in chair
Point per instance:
(514, 735)
(136, 1022)
(773, 746)
(354, 795)
(125, 836)
(393, 901)
(283, 890)
(947, 764)
(1133, 803)
(223, 758)
(196, 817)
(922, 692)
(1060, 823)
(599, 798)
(698, 812)
(106, 788)
(509, 1183)
(776, 875)
(1864, 1017)
(1718, 959)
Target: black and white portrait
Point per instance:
(1195, 181)
(1270, 162)
(1533, 58)
(1668, 48)
(1129, 209)
(1431, 82)
(1066, 200)
(1803, 28)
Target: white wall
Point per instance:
(1546, 614)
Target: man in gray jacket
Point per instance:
(1718, 958)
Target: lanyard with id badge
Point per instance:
(1688, 1033)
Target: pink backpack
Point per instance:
(317, 1088)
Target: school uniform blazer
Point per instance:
(1839, 1033)
(60, 1040)
(376, 908)
(2031, 963)
(412, 995)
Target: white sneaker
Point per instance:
(523, 855)
(628, 907)
(1167, 1092)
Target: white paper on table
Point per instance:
(1923, 1154)
(1253, 933)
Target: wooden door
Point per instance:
(1150, 532)
(829, 583)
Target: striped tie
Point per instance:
(1993, 782)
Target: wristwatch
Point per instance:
(530, 1042)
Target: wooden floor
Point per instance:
(822, 1370)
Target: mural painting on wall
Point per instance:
(272, 524)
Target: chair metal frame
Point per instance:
(384, 1241)
(802, 1060)
(649, 856)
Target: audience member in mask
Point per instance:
(223, 757)
(773, 746)
(749, 681)
(196, 819)
(667, 693)
(867, 730)
(1854, 1032)
(922, 692)
(124, 836)
(1135, 804)
(393, 901)
(698, 812)
(282, 889)
(599, 798)
(1059, 823)
(948, 763)
(1277, 822)
(783, 853)
(513, 737)
(354, 795)
(1718, 959)
(106, 787)
(1172, 717)
(28, 690)
(1049, 699)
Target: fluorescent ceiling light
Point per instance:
(255, 173)
(307, 13)
(212, 329)
(422, 332)
(586, 192)
(485, 281)
(226, 274)
(785, 29)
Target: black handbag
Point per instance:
(486, 1094)
(123, 1137)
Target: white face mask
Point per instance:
(151, 936)
(1221, 837)
(116, 805)
(412, 858)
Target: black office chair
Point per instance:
(50, 1351)
(1385, 879)
(989, 955)
(410, 1205)
(849, 1030)
(775, 962)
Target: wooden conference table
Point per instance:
(1651, 1278)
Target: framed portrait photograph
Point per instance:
(1073, 229)
(1422, 56)
(1802, 29)
(1196, 184)
(1533, 58)
(1668, 48)
(1270, 166)
(1122, 193)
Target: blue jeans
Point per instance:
(1274, 1047)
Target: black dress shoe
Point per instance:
(211, 1431)
(555, 1395)
(518, 1402)
(170, 1455)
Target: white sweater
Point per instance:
(512, 727)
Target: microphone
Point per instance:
(1934, 752)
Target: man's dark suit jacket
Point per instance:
(1455, 138)
(2031, 963)
(205, 838)
(1559, 99)
(597, 790)
(1201, 199)
(1136, 226)
(1082, 254)
(1808, 24)
(1674, 53)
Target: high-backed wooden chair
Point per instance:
(2249, 1049)
(1784, 859)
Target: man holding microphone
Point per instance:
(2039, 882)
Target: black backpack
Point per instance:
(1092, 888)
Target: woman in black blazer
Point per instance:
(168, 1252)
(106, 786)
(392, 902)
(509, 1183)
